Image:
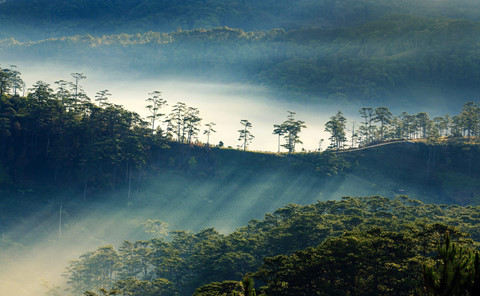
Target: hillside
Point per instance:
(239, 187)
(76, 174)
(97, 199)
(368, 243)
(447, 172)
(61, 150)
(39, 19)
(393, 60)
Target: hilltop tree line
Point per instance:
(379, 124)
(62, 132)
(65, 133)
(61, 135)
(354, 246)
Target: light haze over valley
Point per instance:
(80, 174)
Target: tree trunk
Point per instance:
(278, 143)
(85, 184)
(48, 145)
(130, 183)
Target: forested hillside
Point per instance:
(354, 246)
(37, 19)
(388, 90)
(60, 149)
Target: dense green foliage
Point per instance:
(376, 262)
(357, 246)
(457, 272)
(140, 16)
(372, 262)
(64, 138)
(33, 18)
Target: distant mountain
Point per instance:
(392, 60)
(381, 52)
(38, 19)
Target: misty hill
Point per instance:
(37, 19)
(60, 150)
(225, 187)
(395, 60)
(76, 173)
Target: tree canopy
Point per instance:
(353, 246)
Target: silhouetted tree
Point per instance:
(245, 134)
(192, 122)
(209, 131)
(336, 127)
(365, 129)
(384, 116)
(424, 123)
(176, 121)
(76, 86)
(470, 118)
(102, 97)
(291, 128)
(156, 102)
(278, 129)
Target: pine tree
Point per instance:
(245, 134)
(336, 127)
(156, 102)
(450, 276)
(291, 128)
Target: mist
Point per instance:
(43, 257)
(226, 104)
(182, 202)
(227, 82)
(222, 103)
(227, 201)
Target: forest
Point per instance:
(354, 246)
(97, 199)
(61, 136)
(50, 18)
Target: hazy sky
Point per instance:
(227, 104)
(223, 104)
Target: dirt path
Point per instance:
(376, 145)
